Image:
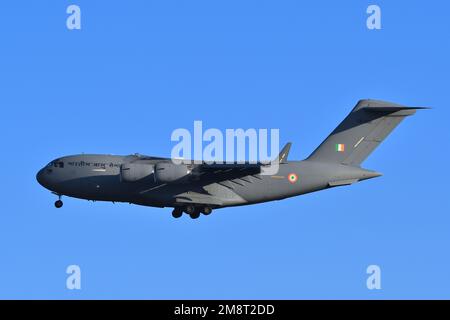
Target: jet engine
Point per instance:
(132, 172)
(167, 172)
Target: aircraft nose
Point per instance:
(42, 178)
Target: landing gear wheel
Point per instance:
(195, 214)
(177, 212)
(206, 211)
(58, 204)
(189, 209)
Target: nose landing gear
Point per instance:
(58, 203)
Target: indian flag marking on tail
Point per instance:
(293, 178)
(340, 147)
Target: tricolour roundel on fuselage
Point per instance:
(292, 177)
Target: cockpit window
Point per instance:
(56, 164)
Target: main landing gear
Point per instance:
(177, 213)
(192, 211)
(206, 211)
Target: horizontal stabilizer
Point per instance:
(355, 175)
(338, 183)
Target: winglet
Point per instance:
(282, 157)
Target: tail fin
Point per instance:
(367, 125)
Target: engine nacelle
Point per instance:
(132, 172)
(167, 172)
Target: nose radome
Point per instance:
(40, 177)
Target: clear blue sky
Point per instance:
(138, 70)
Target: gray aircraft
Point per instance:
(199, 188)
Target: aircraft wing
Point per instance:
(228, 171)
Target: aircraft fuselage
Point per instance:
(98, 177)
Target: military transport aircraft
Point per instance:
(200, 188)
